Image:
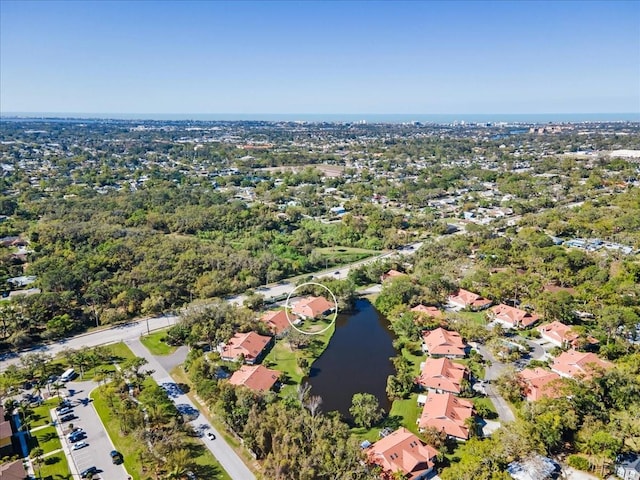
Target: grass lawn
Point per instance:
(55, 467)
(155, 343)
(119, 353)
(414, 358)
(127, 444)
(488, 404)
(40, 415)
(47, 439)
(208, 467)
(478, 317)
(408, 410)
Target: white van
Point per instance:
(68, 375)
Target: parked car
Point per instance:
(68, 418)
(65, 410)
(79, 445)
(211, 435)
(64, 404)
(116, 457)
(90, 470)
(76, 438)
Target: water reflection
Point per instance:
(356, 360)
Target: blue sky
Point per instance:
(319, 57)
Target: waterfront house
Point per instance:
(424, 310)
(448, 413)
(277, 322)
(443, 343)
(313, 307)
(250, 346)
(402, 451)
(256, 377)
(442, 375)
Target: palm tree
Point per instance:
(36, 455)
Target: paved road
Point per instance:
(97, 453)
(227, 457)
(286, 286)
(100, 337)
(491, 373)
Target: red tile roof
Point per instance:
(442, 374)
(276, 321)
(464, 298)
(514, 316)
(391, 274)
(402, 451)
(445, 411)
(255, 377)
(540, 383)
(430, 311)
(312, 307)
(249, 344)
(442, 342)
(575, 364)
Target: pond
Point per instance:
(356, 360)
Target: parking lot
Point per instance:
(97, 452)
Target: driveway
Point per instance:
(97, 453)
(227, 457)
(491, 373)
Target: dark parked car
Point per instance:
(90, 470)
(68, 418)
(74, 437)
(116, 457)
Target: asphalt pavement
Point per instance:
(227, 457)
(491, 373)
(113, 334)
(96, 454)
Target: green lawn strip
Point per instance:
(155, 344)
(47, 439)
(40, 415)
(207, 465)
(128, 445)
(54, 467)
(408, 410)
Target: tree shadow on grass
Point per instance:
(51, 460)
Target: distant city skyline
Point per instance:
(358, 58)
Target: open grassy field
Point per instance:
(342, 255)
(155, 343)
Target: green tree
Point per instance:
(365, 410)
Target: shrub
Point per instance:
(579, 462)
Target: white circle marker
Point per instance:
(335, 311)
